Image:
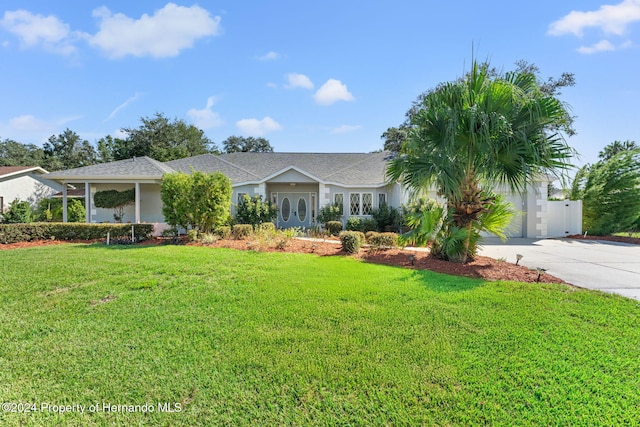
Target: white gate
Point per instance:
(564, 217)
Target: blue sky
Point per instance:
(326, 76)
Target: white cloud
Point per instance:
(255, 127)
(164, 34)
(612, 19)
(603, 46)
(47, 32)
(28, 128)
(295, 80)
(205, 118)
(30, 123)
(122, 106)
(331, 92)
(269, 56)
(345, 129)
(272, 85)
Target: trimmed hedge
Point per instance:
(351, 241)
(241, 231)
(266, 227)
(382, 240)
(334, 227)
(13, 233)
(224, 231)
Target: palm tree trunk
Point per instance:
(467, 242)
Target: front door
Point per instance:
(293, 210)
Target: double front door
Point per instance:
(294, 210)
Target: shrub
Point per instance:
(369, 235)
(224, 231)
(329, 213)
(354, 223)
(208, 238)
(267, 227)
(242, 231)
(50, 210)
(351, 241)
(382, 240)
(116, 200)
(170, 232)
(369, 224)
(334, 227)
(12, 233)
(18, 212)
(200, 201)
(255, 211)
(192, 235)
(387, 217)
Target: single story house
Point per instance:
(27, 183)
(298, 183)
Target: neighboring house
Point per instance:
(25, 183)
(299, 183)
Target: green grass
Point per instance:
(626, 234)
(248, 338)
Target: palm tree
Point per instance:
(476, 133)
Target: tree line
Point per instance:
(158, 137)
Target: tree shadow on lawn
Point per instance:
(440, 282)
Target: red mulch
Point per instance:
(481, 267)
(619, 239)
(35, 243)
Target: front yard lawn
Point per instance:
(224, 337)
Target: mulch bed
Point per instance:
(481, 267)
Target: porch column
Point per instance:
(64, 202)
(87, 201)
(137, 202)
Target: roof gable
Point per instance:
(7, 171)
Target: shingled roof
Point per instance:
(339, 168)
(349, 169)
(138, 167)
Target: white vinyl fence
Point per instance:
(564, 218)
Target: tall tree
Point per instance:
(13, 153)
(617, 147)
(610, 193)
(162, 139)
(394, 138)
(235, 144)
(67, 150)
(473, 134)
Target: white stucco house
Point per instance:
(28, 183)
(299, 183)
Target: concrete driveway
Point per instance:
(606, 266)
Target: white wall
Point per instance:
(564, 217)
(30, 187)
(150, 204)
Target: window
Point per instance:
(382, 199)
(338, 199)
(367, 203)
(360, 203)
(354, 204)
